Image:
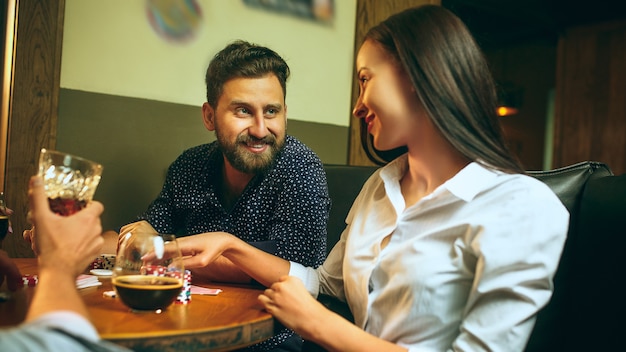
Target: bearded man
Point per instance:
(254, 181)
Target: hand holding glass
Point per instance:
(148, 271)
(70, 181)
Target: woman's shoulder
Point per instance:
(525, 182)
(526, 191)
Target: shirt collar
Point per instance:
(470, 181)
(466, 184)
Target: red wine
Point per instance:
(147, 292)
(66, 206)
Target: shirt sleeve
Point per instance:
(68, 321)
(300, 219)
(514, 268)
(307, 275)
(160, 212)
(327, 279)
(57, 331)
(330, 273)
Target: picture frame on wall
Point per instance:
(322, 11)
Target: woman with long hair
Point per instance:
(449, 246)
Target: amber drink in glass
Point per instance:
(69, 181)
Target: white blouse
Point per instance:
(466, 268)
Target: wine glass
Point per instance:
(148, 273)
(69, 181)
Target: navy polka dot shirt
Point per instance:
(284, 211)
(288, 205)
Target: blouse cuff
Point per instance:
(308, 277)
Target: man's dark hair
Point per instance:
(243, 59)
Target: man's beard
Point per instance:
(245, 161)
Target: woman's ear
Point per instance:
(208, 116)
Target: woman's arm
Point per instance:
(517, 253)
(221, 270)
(204, 249)
(290, 302)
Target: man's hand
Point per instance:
(139, 226)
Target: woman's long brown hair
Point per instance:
(452, 80)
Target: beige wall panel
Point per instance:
(137, 139)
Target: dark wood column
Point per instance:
(590, 109)
(33, 103)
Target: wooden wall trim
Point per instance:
(368, 14)
(9, 12)
(590, 111)
(34, 105)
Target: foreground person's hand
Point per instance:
(67, 243)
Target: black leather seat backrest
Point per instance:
(568, 182)
(553, 330)
(597, 296)
(344, 184)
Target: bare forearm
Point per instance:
(55, 292)
(337, 334)
(289, 301)
(203, 250)
(263, 267)
(221, 270)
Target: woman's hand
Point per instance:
(203, 249)
(290, 302)
(231, 259)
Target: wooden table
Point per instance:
(232, 319)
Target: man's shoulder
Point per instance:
(297, 159)
(297, 150)
(194, 159)
(202, 151)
